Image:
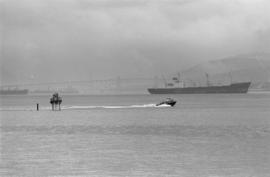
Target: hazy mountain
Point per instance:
(252, 67)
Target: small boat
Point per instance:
(169, 101)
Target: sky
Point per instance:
(61, 40)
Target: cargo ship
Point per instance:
(240, 87)
(14, 91)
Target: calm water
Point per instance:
(204, 135)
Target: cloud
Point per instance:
(109, 38)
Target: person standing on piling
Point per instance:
(56, 100)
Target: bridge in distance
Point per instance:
(101, 86)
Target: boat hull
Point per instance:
(169, 102)
(233, 88)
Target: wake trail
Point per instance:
(79, 107)
(117, 107)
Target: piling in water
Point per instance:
(55, 101)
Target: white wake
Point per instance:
(48, 108)
(118, 107)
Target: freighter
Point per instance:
(240, 87)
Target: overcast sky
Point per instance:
(54, 40)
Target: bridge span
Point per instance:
(99, 86)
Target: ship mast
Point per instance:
(207, 79)
(230, 75)
(179, 79)
(164, 81)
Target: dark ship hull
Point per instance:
(169, 102)
(14, 92)
(232, 88)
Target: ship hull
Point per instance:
(233, 88)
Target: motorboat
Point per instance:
(169, 101)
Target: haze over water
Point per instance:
(49, 45)
(204, 135)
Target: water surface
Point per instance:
(204, 135)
